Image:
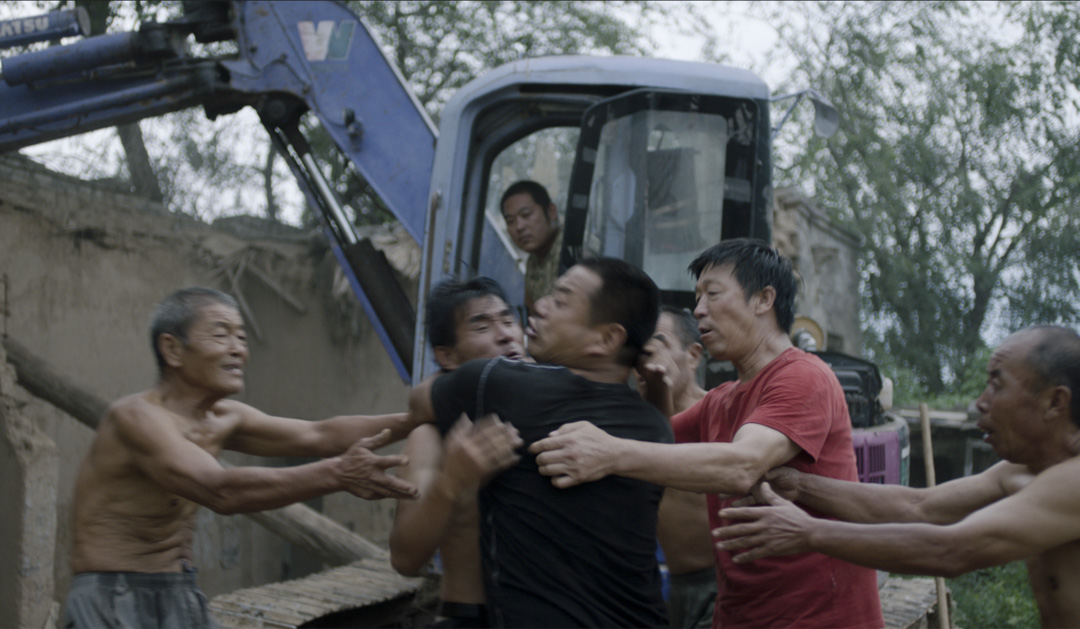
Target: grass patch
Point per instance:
(995, 597)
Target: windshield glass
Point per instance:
(657, 192)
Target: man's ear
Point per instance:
(552, 213)
(447, 357)
(766, 297)
(171, 349)
(1060, 403)
(611, 338)
(694, 352)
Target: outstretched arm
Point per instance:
(1037, 518)
(180, 466)
(265, 435)
(446, 473)
(866, 502)
(580, 452)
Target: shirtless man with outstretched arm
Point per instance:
(154, 461)
(1026, 507)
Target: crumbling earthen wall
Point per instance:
(81, 267)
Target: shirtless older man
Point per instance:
(154, 462)
(1026, 507)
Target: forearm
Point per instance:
(250, 489)
(420, 526)
(337, 434)
(858, 502)
(715, 468)
(905, 548)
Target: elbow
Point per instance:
(221, 504)
(216, 495)
(403, 556)
(741, 485)
(740, 480)
(405, 566)
(952, 555)
(404, 562)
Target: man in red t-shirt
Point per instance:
(786, 408)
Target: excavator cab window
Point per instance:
(546, 157)
(658, 177)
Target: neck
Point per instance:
(1070, 450)
(764, 351)
(185, 401)
(542, 252)
(687, 397)
(606, 373)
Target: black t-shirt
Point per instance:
(578, 557)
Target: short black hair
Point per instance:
(1055, 361)
(685, 325)
(538, 193)
(177, 313)
(757, 265)
(627, 296)
(447, 297)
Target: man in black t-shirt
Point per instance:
(581, 558)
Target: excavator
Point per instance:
(653, 160)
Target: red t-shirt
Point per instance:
(798, 395)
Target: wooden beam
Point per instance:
(298, 523)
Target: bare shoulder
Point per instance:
(1009, 477)
(132, 409)
(421, 410)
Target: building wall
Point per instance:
(825, 258)
(81, 267)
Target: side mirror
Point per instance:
(826, 117)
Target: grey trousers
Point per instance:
(691, 599)
(136, 600)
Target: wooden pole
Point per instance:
(298, 523)
(931, 480)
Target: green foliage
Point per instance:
(440, 46)
(995, 597)
(958, 162)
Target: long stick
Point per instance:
(297, 523)
(931, 480)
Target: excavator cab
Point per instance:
(648, 160)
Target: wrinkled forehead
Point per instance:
(215, 313)
(721, 273)
(1013, 354)
(667, 330)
